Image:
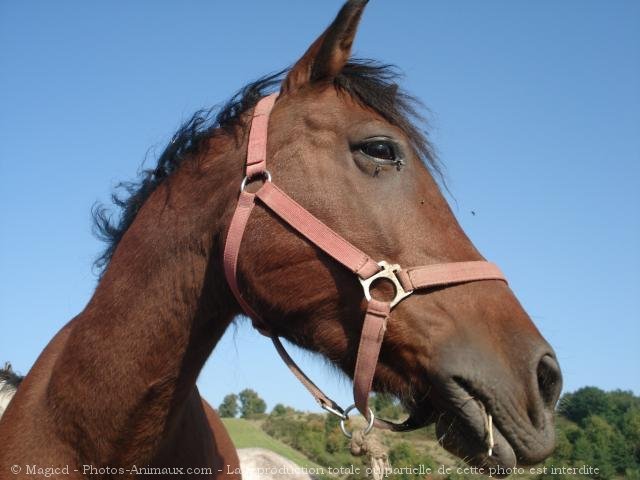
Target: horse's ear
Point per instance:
(328, 54)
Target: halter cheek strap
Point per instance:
(367, 270)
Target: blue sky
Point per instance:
(534, 109)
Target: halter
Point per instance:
(405, 281)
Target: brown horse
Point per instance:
(9, 382)
(342, 144)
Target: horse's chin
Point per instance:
(462, 428)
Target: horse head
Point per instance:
(342, 144)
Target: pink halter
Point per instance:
(405, 281)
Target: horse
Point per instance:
(9, 382)
(189, 255)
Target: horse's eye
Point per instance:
(379, 149)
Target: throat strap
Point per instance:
(377, 314)
(238, 224)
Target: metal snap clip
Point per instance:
(334, 411)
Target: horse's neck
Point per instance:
(134, 353)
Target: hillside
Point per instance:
(594, 428)
(249, 434)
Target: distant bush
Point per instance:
(281, 409)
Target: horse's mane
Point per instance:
(370, 83)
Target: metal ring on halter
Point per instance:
(265, 174)
(368, 428)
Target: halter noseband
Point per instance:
(405, 281)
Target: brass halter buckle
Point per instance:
(387, 272)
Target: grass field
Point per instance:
(248, 434)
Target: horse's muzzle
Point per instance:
(493, 420)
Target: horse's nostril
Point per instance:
(549, 380)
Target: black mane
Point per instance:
(371, 83)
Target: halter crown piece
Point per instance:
(405, 281)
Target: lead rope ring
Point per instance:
(345, 416)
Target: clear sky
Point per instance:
(535, 111)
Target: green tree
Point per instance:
(596, 445)
(577, 406)
(620, 403)
(251, 403)
(564, 448)
(631, 431)
(229, 406)
(606, 432)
